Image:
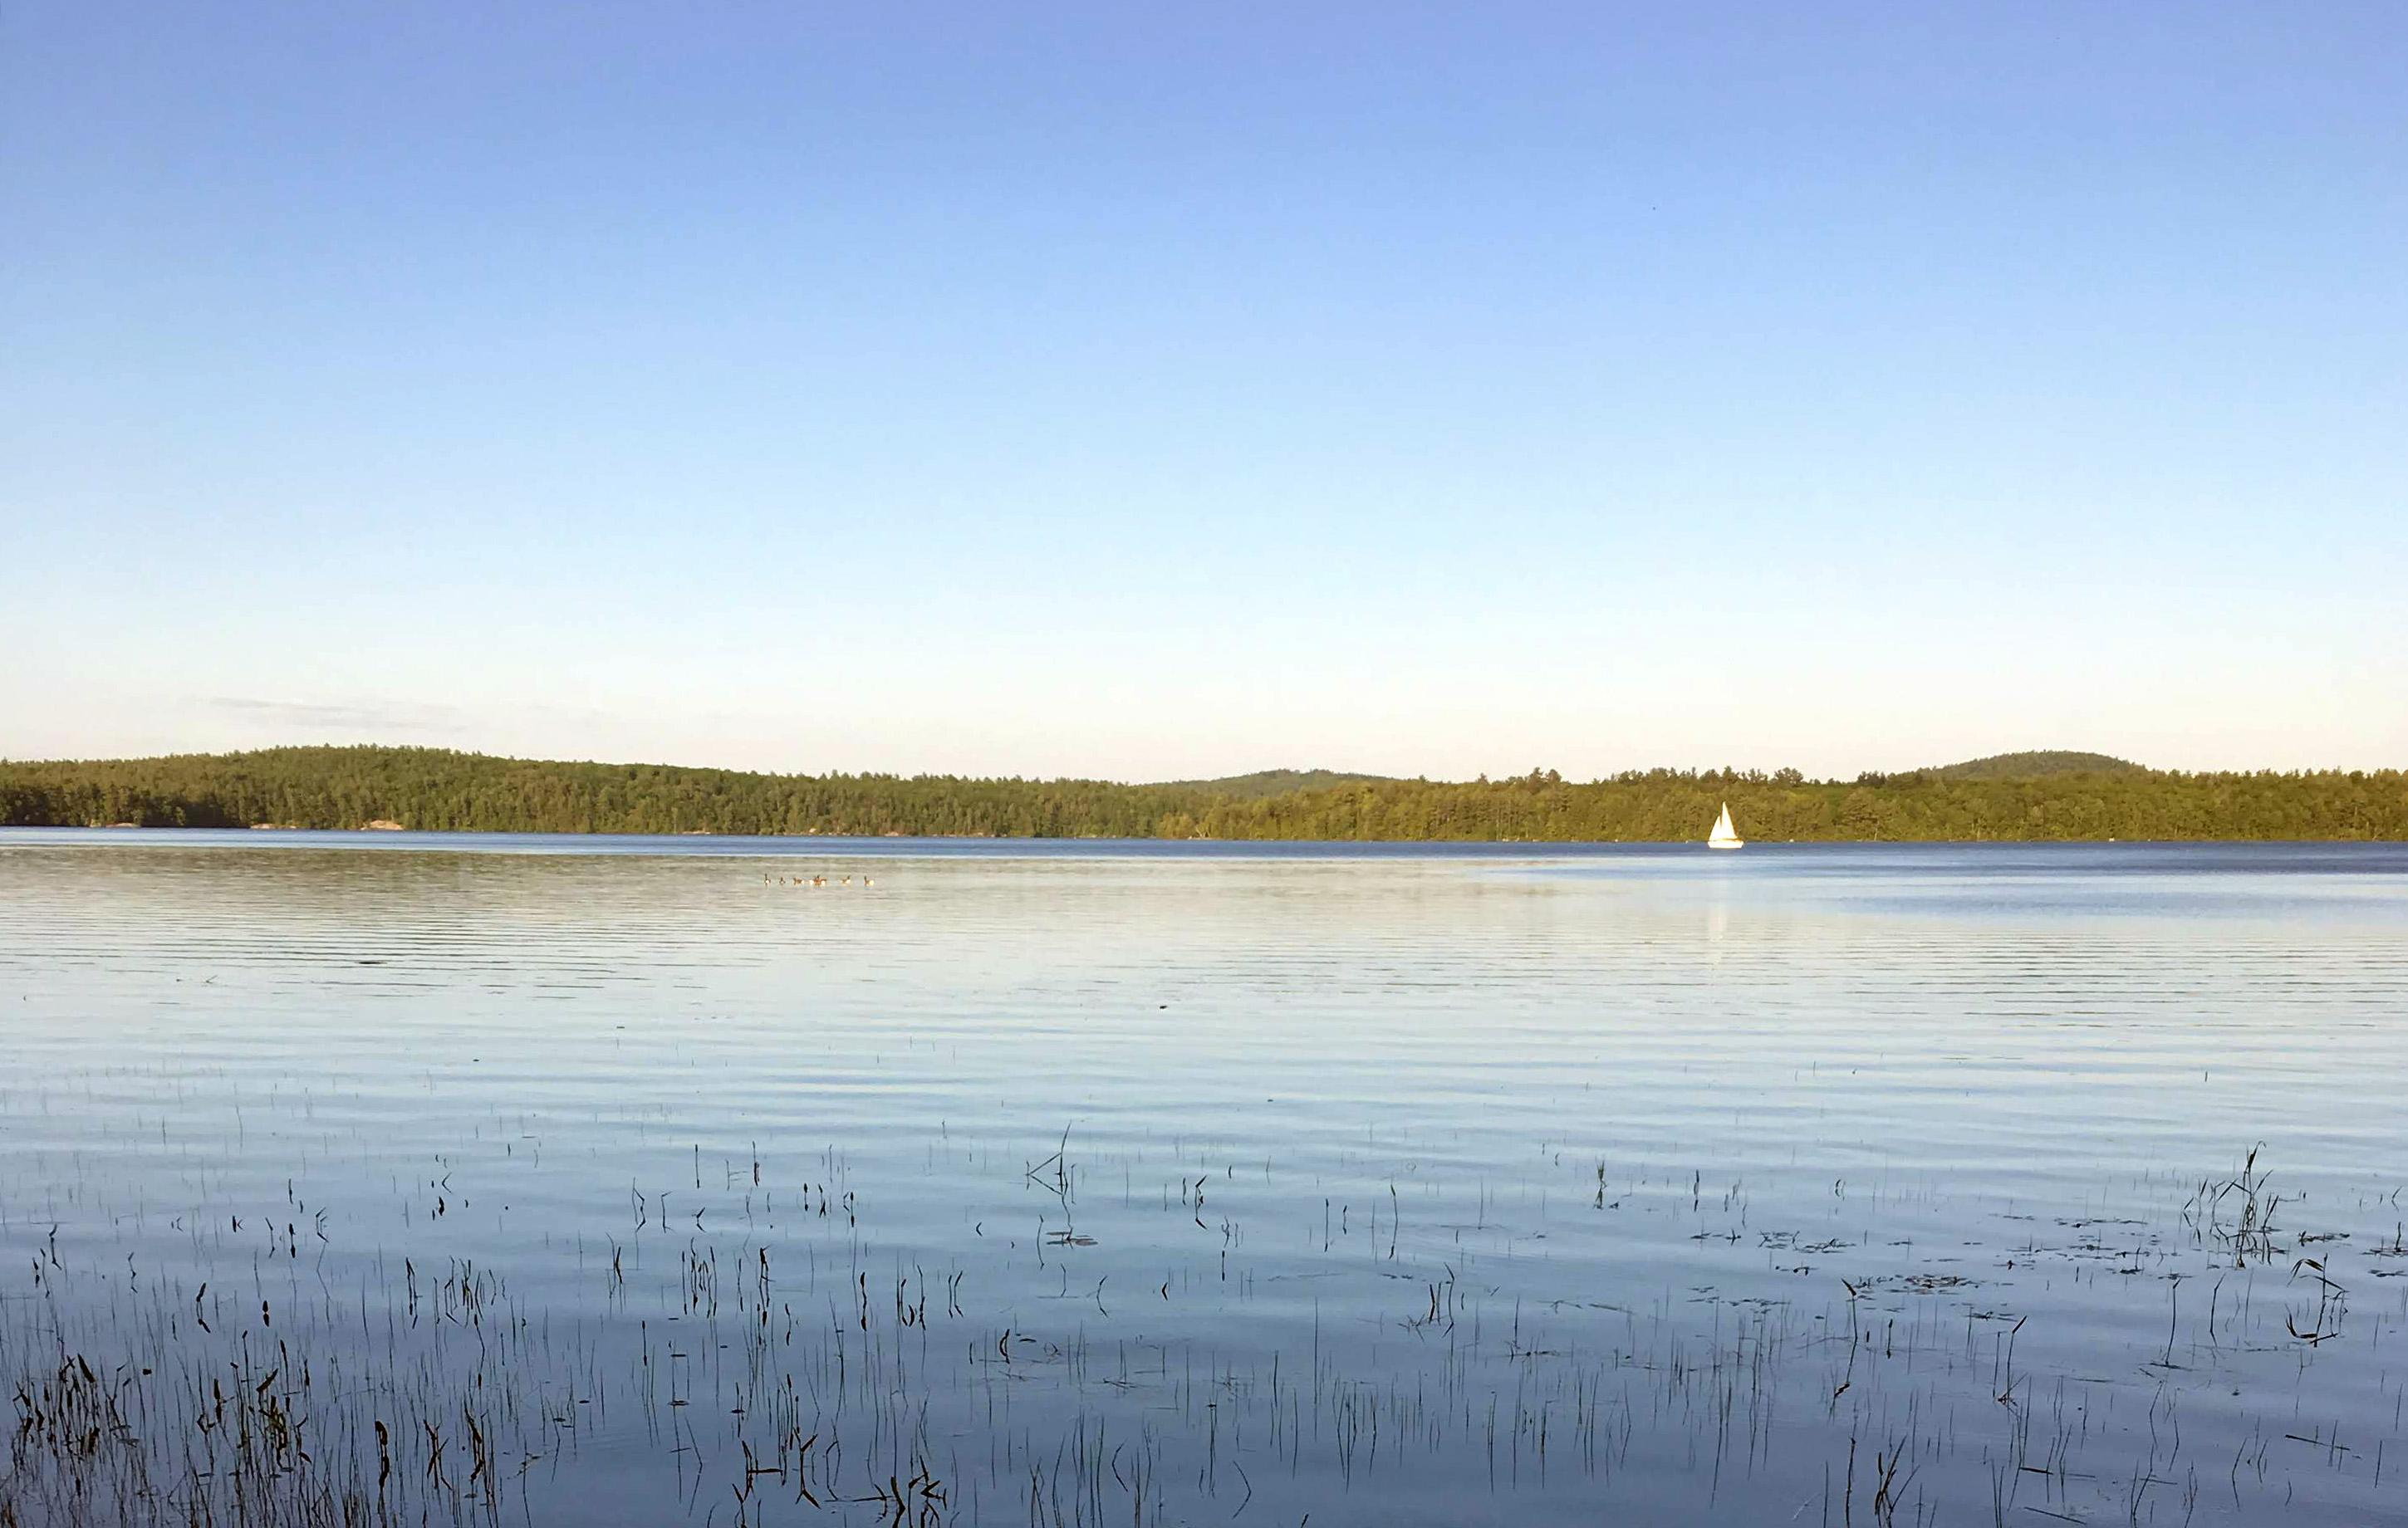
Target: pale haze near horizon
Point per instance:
(1110, 393)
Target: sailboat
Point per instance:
(1724, 835)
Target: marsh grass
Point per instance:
(745, 1380)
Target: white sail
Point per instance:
(1724, 835)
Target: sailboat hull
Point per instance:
(1726, 843)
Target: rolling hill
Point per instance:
(2036, 764)
(1273, 783)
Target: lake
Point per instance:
(372, 1177)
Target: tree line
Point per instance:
(440, 790)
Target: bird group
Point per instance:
(768, 879)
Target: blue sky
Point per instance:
(1139, 391)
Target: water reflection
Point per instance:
(1117, 1185)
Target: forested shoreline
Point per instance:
(439, 790)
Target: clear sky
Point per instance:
(1146, 391)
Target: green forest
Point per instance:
(433, 788)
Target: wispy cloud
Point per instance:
(373, 716)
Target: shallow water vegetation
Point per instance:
(760, 1392)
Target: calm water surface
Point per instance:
(639, 1180)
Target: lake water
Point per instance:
(645, 1180)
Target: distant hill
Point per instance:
(1273, 783)
(2037, 764)
(2016, 796)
